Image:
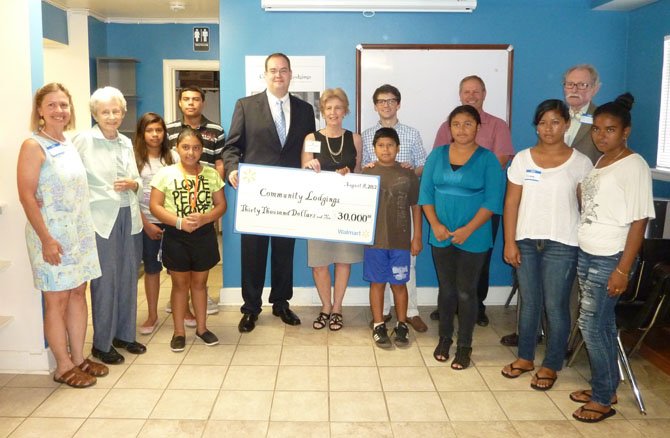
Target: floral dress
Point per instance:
(63, 191)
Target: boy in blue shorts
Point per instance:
(387, 261)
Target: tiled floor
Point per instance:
(299, 382)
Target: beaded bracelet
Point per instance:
(621, 272)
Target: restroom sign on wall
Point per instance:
(201, 39)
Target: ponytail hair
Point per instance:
(619, 108)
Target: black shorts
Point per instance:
(184, 252)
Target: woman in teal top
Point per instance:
(461, 187)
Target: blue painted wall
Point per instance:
(547, 36)
(36, 48)
(97, 46)
(54, 23)
(150, 44)
(648, 27)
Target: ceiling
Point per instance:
(207, 11)
(145, 10)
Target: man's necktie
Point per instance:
(280, 122)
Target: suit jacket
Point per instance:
(583, 141)
(253, 137)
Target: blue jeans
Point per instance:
(597, 323)
(546, 274)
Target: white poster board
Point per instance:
(287, 202)
(428, 77)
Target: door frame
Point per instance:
(170, 66)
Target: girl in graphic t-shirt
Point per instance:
(617, 202)
(188, 197)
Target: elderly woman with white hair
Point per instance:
(114, 185)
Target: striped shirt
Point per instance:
(212, 134)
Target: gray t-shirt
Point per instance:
(398, 191)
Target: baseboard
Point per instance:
(24, 362)
(357, 296)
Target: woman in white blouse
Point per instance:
(540, 223)
(617, 203)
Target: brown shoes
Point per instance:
(417, 324)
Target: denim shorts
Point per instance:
(386, 265)
(150, 250)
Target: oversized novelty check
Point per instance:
(281, 201)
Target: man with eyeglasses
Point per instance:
(580, 85)
(386, 99)
(493, 134)
(268, 128)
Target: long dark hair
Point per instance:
(141, 152)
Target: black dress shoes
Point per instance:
(111, 357)
(247, 323)
(131, 347)
(287, 316)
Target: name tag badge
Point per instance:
(56, 149)
(586, 118)
(313, 146)
(533, 175)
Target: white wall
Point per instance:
(69, 65)
(21, 341)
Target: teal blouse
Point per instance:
(457, 195)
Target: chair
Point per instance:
(643, 306)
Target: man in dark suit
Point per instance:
(580, 85)
(268, 128)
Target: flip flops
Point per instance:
(602, 415)
(513, 368)
(586, 394)
(537, 387)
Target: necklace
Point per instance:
(615, 158)
(44, 133)
(338, 153)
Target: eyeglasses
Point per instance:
(579, 85)
(382, 102)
